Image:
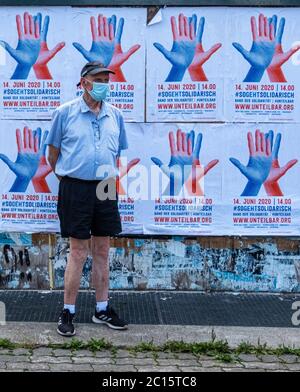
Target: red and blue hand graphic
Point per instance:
(45, 55)
(271, 184)
(28, 47)
(29, 164)
(182, 52)
(259, 164)
(123, 171)
(39, 179)
(262, 50)
(119, 57)
(106, 45)
(32, 49)
(187, 51)
(198, 171)
(201, 56)
(274, 70)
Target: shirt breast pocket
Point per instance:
(113, 139)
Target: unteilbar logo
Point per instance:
(2, 313)
(296, 315)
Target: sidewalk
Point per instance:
(146, 347)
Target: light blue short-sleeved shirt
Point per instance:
(89, 144)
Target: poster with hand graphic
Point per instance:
(114, 36)
(34, 69)
(263, 65)
(28, 185)
(185, 180)
(261, 171)
(185, 63)
(131, 164)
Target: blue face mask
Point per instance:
(99, 91)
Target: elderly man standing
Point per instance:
(87, 134)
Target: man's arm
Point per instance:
(53, 154)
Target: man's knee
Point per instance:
(79, 250)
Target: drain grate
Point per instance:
(170, 308)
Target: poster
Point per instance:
(262, 67)
(131, 180)
(185, 179)
(114, 36)
(34, 69)
(27, 183)
(185, 64)
(260, 179)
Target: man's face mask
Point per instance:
(99, 91)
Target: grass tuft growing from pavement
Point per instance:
(6, 343)
(217, 349)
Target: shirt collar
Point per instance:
(84, 108)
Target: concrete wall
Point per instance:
(177, 263)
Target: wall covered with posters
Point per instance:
(180, 74)
(213, 126)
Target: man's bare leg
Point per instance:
(100, 268)
(77, 258)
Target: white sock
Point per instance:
(70, 307)
(101, 306)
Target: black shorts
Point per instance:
(82, 214)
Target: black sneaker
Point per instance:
(65, 325)
(110, 318)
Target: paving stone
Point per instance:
(157, 369)
(68, 367)
(236, 369)
(2, 365)
(129, 354)
(103, 354)
(208, 364)
(295, 367)
(269, 358)
(42, 351)
(200, 369)
(5, 351)
(184, 356)
(177, 362)
(289, 358)
(114, 368)
(52, 359)
(140, 355)
(135, 361)
(248, 357)
(14, 358)
(264, 365)
(21, 351)
(27, 365)
(64, 353)
(92, 360)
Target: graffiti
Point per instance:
(24, 267)
(181, 264)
